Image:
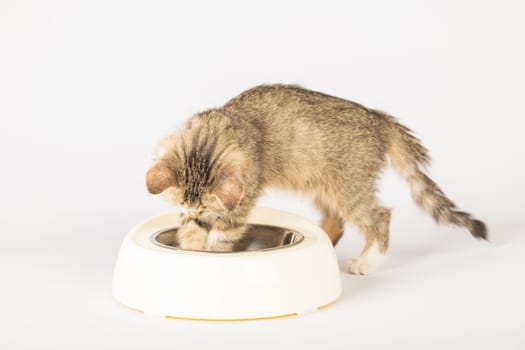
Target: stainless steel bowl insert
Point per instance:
(256, 238)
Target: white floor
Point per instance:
(438, 288)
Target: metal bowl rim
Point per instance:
(158, 232)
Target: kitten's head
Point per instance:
(198, 174)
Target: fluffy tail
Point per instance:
(409, 158)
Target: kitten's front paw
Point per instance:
(191, 237)
(359, 266)
(192, 244)
(217, 242)
(221, 247)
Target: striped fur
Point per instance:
(334, 150)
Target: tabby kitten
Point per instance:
(288, 137)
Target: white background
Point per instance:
(87, 88)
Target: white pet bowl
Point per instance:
(284, 267)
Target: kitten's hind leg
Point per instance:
(331, 222)
(373, 221)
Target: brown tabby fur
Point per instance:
(288, 137)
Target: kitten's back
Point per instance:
(310, 136)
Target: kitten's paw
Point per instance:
(192, 244)
(191, 236)
(360, 266)
(222, 247)
(218, 242)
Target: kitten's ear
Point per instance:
(159, 178)
(229, 192)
